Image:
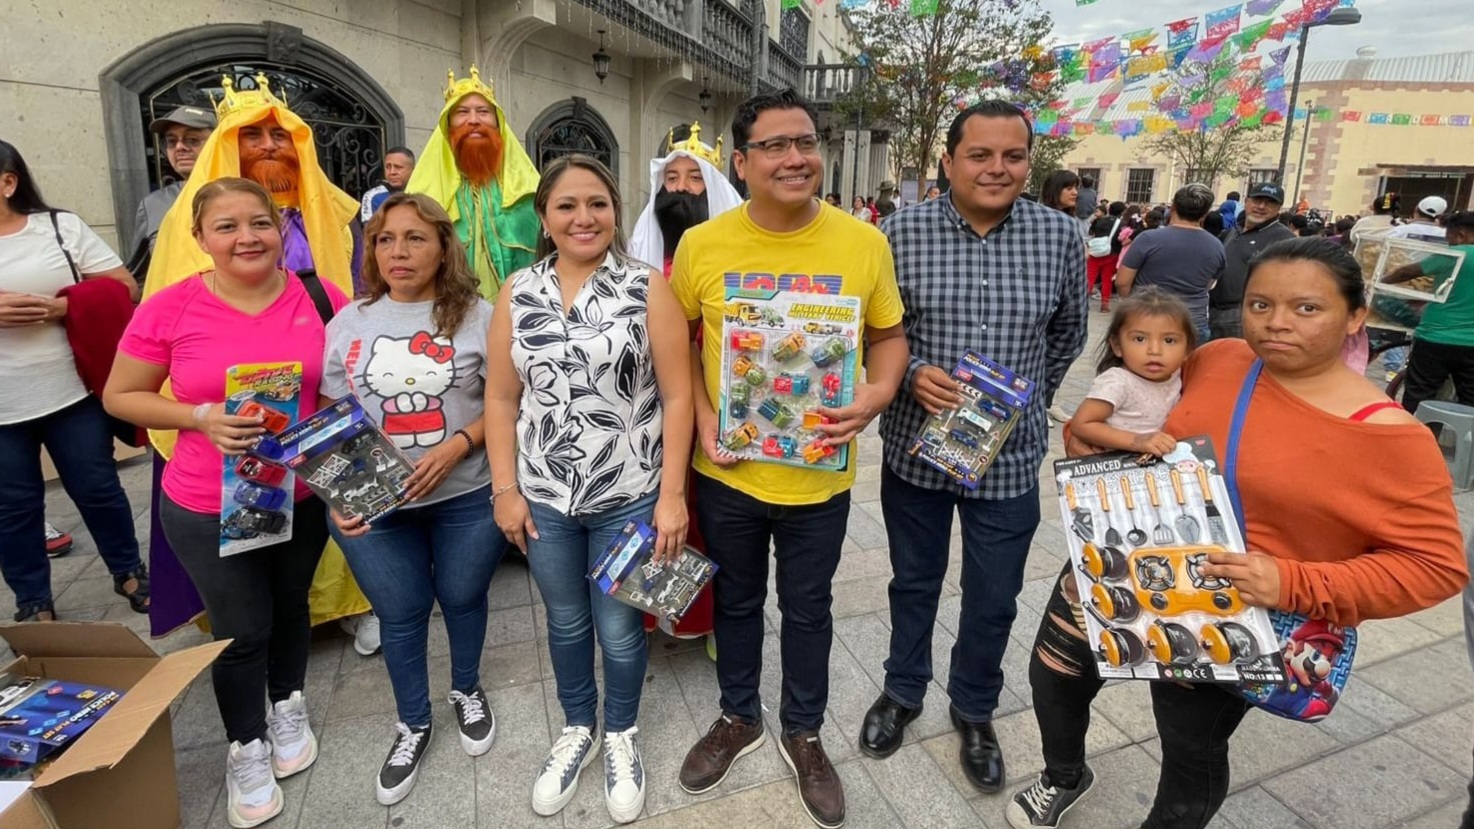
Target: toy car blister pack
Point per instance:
(256, 490)
(963, 442)
(1140, 530)
(39, 716)
(627, 571)
(785, 354)
(347, 460)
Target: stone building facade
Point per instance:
(79, 83)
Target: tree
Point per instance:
(925, 68)
(1049, 153)
(1225, 144)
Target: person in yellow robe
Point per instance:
(260, 138)
(476, 169)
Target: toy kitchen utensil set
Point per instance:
(1139, 532)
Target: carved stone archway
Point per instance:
(167, 60)
(572, 126)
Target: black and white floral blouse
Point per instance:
(589, 423)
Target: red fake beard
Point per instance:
(278, 172)
(479, 157)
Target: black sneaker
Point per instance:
(397, 775)
(1043, 804)
(476, 721)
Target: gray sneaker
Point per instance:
(624, 776)
(1044, 804)
(558, 781)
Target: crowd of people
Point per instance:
(505, 301)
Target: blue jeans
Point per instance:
(560, 558)
(445, 552)
(995, 544)
(806, 542)
(81, 446)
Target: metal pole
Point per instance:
(859, 113)
(1294, 96)
(1304, 144)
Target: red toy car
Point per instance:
(747, 341)
(272, 420)
(831, 386)
(258, 471)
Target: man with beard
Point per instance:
(686, 188)
(477, 170)
(258, 138)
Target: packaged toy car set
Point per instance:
(964, 441)
(627, 571)
(256, 490)
(347, 460)
(40, 716)
(785, 354)
(1140, 530)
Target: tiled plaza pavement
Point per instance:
(1396, 752)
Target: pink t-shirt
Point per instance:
(190, 330)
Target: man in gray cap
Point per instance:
(182, 132)
(886, 204)
(1262, 228)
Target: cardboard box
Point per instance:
(120, 774)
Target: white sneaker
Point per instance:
(476, 721)
(558, 781)
(293, 745)
(252, 796)
(365, 631)
(624, 776)
(1057, 414)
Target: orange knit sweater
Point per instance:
(1359, 515)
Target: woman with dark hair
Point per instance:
(43, 401)
(1061, 191)
(413, 350)
(589, 427)
(1385, 547)
(244, 309)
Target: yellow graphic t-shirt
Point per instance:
(836, 254)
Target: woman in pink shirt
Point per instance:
(245, 310)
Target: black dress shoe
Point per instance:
(980, 754)
(885, 724)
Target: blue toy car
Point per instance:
(255, 495)
(964, 437)
(249, 522)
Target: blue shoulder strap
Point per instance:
(1235, 429)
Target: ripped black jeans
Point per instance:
(1194, 723)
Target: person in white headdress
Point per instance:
(686, 188)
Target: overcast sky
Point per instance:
(1398, 28)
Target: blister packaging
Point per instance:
(964, 441)
(1139, 529)
(785, 354)
(347, 460)
(627, 572)
(256, 503)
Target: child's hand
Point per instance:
(1156, 443)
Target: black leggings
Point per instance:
(1194, 722)
(258, 599)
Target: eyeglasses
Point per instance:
(192, 143)
(778, 146)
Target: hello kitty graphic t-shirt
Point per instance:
(418, 386)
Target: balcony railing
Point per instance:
(709, 33)
(826, 83)
(784, 70)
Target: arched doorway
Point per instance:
(572, 126)
(353, 119)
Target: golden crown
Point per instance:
(457, 89)
(248, 98)
(694, 146)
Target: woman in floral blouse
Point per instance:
(589, 424)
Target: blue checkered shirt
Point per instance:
(1016, 296)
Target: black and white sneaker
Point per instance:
(476, 721)
(397, 775)
(558, 781)
(1044, 804)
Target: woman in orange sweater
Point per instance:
(1348, 508)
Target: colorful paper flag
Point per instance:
(1105, 61)
(1325, 114)
(1260, 8)
(1460, 120)
(1399, 119)
(1207, 50)
(921, 8)
(1249, 38)
(1379, 118)
(1432, 120)
(791, 4)
(1351, 115)
(1095, 45)
(1223, 22)
(1182, 32)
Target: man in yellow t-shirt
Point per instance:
(785, 239)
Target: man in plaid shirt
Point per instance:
(978, 269)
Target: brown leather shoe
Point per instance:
(708, 762)
(819, 787)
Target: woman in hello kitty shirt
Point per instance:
(413, 351)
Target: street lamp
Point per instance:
(1304, 145)
(601, 60)
(1342, 16)
(705, 96)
